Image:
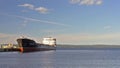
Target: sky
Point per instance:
(76, 22)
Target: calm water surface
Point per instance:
(83, 58)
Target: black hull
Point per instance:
(28, 45)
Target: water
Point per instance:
(80, 58)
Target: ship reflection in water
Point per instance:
(42, 59)
(81, 58)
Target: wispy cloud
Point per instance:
(30, 6)
(87, 2)
(41, 21)
(40, 9)
(36, 20)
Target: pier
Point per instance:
(9, 47)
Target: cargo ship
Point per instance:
(29, 45)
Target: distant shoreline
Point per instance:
(88, 46)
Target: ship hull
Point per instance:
(27, 45)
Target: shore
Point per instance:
(88, 46)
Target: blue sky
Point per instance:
(69, 21)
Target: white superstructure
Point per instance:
(49, 41)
